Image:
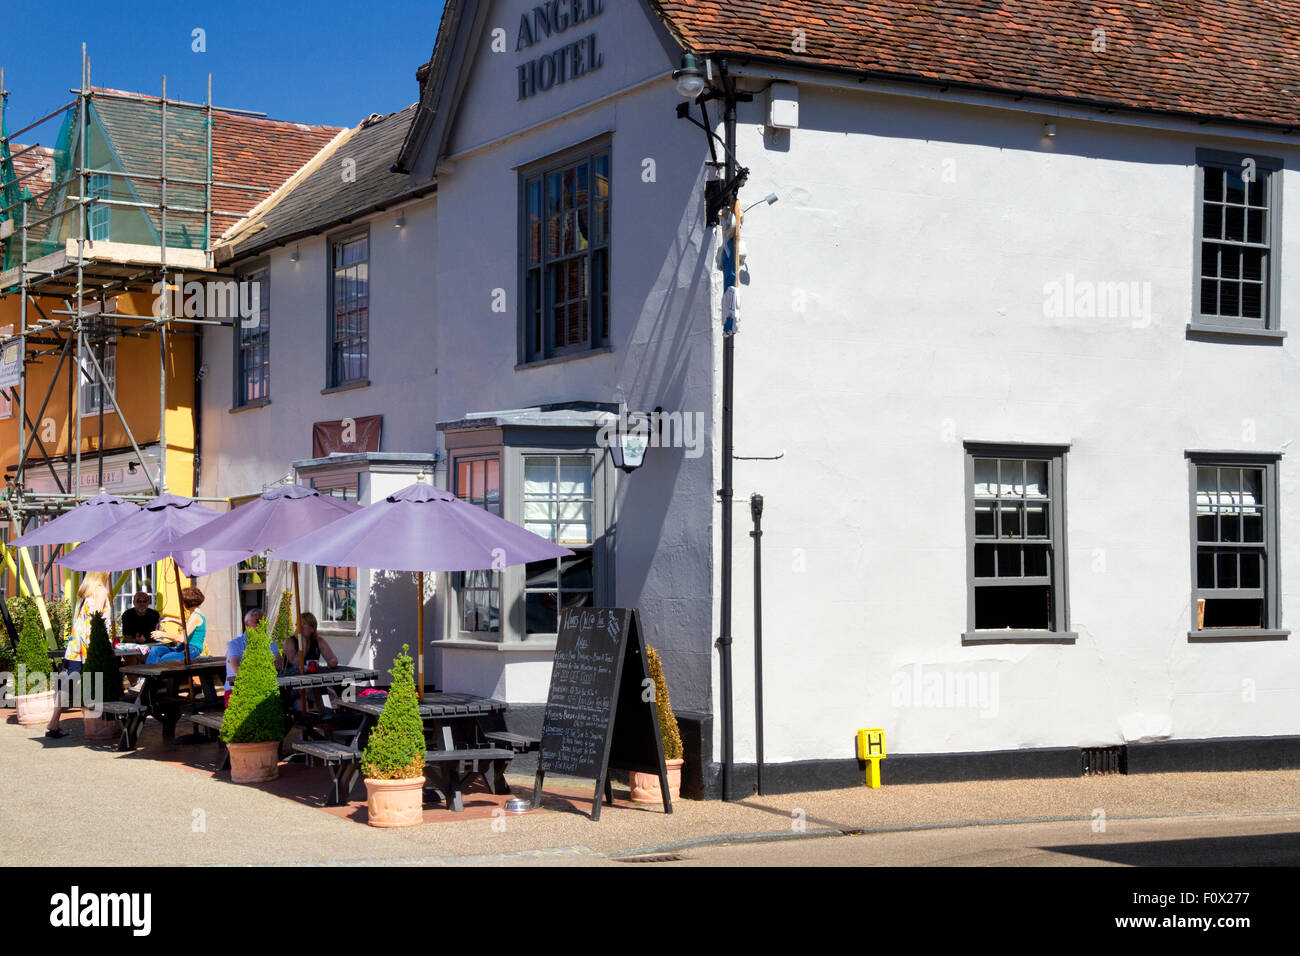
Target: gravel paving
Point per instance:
(70, 802)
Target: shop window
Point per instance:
(565, 235)
(1016, 529)
(1234, 508)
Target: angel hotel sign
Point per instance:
(575, 58)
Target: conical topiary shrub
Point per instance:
(283, 622)
(395, 750)
(668, 732)
(32, 659)
(645, 786)
(34, 697)
(101, 660)
(254, 714)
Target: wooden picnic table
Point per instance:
(446, 716)
(161, 696)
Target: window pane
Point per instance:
(1011, 478)
(1012, 524)
(1226, 570)
(1008, 556)
(540, 477)
(1213, 183)
(1036, 481)
(1036, 521)
(1204, 569)
(1036, 561)
(984, 524)
(986, 477)
(1250, 570)
(984, 560)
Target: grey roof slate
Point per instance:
(346, 180)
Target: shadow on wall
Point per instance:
(391, 616)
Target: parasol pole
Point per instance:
(298, 637)
(185, 634)
(419, 628)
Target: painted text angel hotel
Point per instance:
(1004, 348)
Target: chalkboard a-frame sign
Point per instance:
(598, 717)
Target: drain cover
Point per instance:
(656, 858)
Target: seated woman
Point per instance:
(317, 649)
(196, 626)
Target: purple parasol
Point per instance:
(88, 519)
(139, 539)
(421, 528)
(142, 538)
(279, 516)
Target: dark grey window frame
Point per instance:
(1269, 326)
(240, 400)
(1055, 455)
(333, 382)
(1272, 578)
(531, 351)
(460, 589)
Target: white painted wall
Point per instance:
(925, 327)
(243, 451)
(662, 349)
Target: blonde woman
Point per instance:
(92, 598)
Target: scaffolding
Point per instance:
(159, 201)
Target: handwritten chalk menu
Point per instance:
(598, 716)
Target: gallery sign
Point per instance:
(575, 58)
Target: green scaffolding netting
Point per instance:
(122, 157)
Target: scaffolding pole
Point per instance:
(77, 336)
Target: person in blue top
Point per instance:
(236, 648)
(196, 626)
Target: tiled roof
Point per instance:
(1231, 59)
(348, 180)
(40, 159)
(252, 151)
(246, 151)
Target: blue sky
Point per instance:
(327, 61)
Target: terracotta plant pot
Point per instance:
(35, 708)
(395, 803)
(645, 786)
(253, 763)
(99, 728)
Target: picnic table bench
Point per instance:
(453, 765)
(130, 713)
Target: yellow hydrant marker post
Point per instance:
(871, 748)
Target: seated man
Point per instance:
(139, 621)
(235, 649)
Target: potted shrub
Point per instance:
(393, 761)
(253, 724)
(102, 665)
(33, 693)
(645, 786)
